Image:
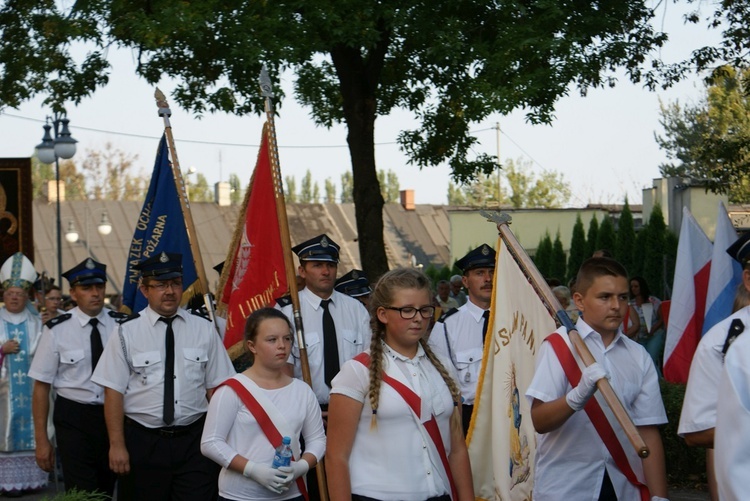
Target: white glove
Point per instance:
(578, 396)
(657, 498)
(270, 478)
(295, 470)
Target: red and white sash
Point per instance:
(264, 421)
(596, 414)
(415, 404)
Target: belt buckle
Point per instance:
(165, 432)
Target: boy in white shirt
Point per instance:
(572, 462)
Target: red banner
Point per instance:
(254, 274)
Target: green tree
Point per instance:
(708, 141)
(558, 261)
(40, 175)
(109, 175)
(306, 189)
(455, 195)
(625, 247)
(670, 251)
(330, 188)
(442, 63)
(200, 191)
(347, 188)
(543, 256)
(517, 186)
(578, 251)
(290, 193)
(592, 236)
(394, 187)
(606, 238)
(235, 189)
(639, 253)
(655, 250)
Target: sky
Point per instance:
(602, 143)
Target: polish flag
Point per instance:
(691, 275)
(726, 273)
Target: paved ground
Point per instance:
(675, 495)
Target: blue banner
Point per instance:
(160, 227)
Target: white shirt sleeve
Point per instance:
(222, 411)
(312, 427)
(45, 361)
(352, 381)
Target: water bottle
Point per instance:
(283, 454)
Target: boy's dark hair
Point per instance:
(596, 267)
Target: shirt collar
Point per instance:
(314, 299)
(398, 356)
(154, 317)
(585, 331)
(84, 319)
(475, 310)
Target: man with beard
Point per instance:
(459, 333)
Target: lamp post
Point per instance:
(104, 228)
(52, 150)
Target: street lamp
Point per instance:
(52, 150)
(104, 228)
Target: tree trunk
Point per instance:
(358, 80)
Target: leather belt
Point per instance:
(167, 431)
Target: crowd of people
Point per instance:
(149, 404)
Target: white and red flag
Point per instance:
(686, 314)
(254, 274)
(726, 273)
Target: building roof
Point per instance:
(418, 236)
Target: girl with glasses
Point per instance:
(394, 419)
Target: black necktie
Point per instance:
(330, 345)
(486, 316)
(169, 373)
(96, 343)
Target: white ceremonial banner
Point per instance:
(501, 439)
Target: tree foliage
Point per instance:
(200, 191)
(235, 189)
(543, 256)
(330, 189)
(710, 141)
(606, 238)
(557, 263)
(624, 250)
(655, 249)
(450, 65)
(347, 188)
(591, 237)
(577, 248)
(516, 185)
(290, 191)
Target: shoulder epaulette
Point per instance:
(58, 320)
(735, 329)
(284, 301)
(447, 314)
(128, 318)
(201, 312)
(118, 316)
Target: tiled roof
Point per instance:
(422, 233)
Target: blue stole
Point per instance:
(20, 389)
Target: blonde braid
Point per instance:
(376, 376)
(456, 418)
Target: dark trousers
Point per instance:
(607, 492)
(83, 445)
(466, 411)
(167, 464)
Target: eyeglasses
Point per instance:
(163, 286)
(14, 294)
(409, 312)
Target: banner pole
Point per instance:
(266, 91)
(553, 305)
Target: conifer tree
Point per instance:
(592, 236)
(577, 248)
(625, 247)
(557, 268)
(606, 239)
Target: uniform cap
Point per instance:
(87, 272)
(481, 257)
(740, 250)
(354, 284)
(320, 248)
(162, 266)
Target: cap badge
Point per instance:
(485, 250)
(90, 264)
(324, 242)
(163, 258)
(355, 275)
